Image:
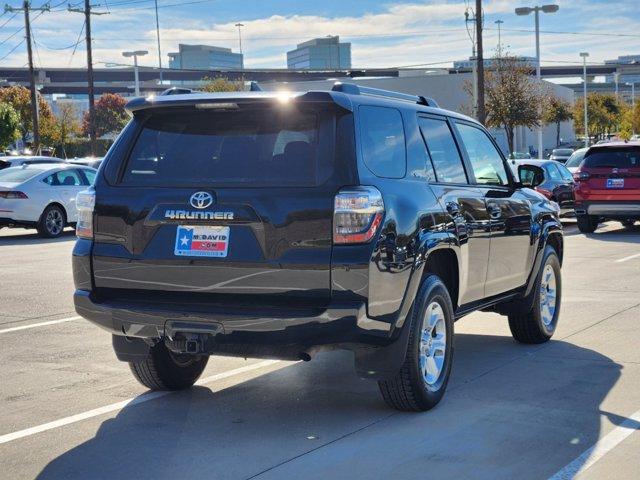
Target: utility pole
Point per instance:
(158, 35)
(92, 111)
(26, 8)
(480, 60)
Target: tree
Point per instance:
(221, 84)
(626, 124)
(9, 124)
(67, 123)
(604, 112)
(557, 111)
(110, 115)
(512, 97)
(20, 99)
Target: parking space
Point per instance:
(571, 406)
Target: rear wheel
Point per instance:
(165, 370)
(587, 223)
(538, 324)
(52, 222)
(423, 378)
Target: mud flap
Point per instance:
(129, 349)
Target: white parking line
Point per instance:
(630, 257)
(600, 449)
(9, 437)
(41, 324)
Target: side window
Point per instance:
(442, 150)
(90, 175)
(69, 178)
(51, 180)
(486, 162)
(383, 144)
(566, 174)
(554, 173)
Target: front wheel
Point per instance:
(587, 223)
(538, 324)
(165, 370)
(423, 378)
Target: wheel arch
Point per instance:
(57, 204)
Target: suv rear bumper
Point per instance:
(609, 209)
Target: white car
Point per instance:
(575, 160)
(42, 196)
(8, 162)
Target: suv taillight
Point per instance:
(357, 214)
(85, 202)
(581, 176)
(13, 195)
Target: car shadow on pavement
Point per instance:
(512, 411)
(34, 238)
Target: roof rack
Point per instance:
(353, 89)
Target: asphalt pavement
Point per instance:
(569, 407)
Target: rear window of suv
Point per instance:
(622, 157)
(251, 147)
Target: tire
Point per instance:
(52, 222)
(628, 223)
(587, 223)
(538, 324)
(164, 370)
(411, 389)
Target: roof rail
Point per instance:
(353, 89)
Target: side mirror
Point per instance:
(530, 175)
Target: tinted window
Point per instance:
(563, 152)
(91, 176)
(613, 158)
(554, 173)
(383, 145)
(69, 178)
(443, 151)
(252, 147)
(564, 173)
(487, 164)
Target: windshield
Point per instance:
(17, 175)
(562, 152)
(252, 147)
(623, 157)
(575, 159)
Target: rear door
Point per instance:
(614, 173)
(222, 202)
(67, 185)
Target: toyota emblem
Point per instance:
(201, 200)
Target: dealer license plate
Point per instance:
(201, 241)
(615, 182)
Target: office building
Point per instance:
(326, 53)
(205, 57)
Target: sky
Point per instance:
(382, 34)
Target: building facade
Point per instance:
(205, 57)
(628, 69)
(326, 53)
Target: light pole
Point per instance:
(499, 23)
(135, 54)
(240, 25)
(552, 8)
(158, 35)
(616, 75)
(633, 93)
(584, 56)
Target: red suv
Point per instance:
(608, 185)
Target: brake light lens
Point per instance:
(581, 176)
(85, 203)
(13, 195)
(357, 214)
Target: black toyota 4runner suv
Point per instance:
(276, 225)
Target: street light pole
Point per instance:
(135, 55)
(240, 25)
(159, 50)
(584, 56)
(499, 23)
(552, 8)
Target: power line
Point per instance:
(14, 49)
(8, 19)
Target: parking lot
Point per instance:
(71, 410)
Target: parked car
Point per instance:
(608, 185)
(254, 224)
(93, 162)
(519, 155)
(42, 196)
(551, 179)
(8, 162)
(560, 154)
(575, 160)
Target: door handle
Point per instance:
(494, 210)
(453, 208)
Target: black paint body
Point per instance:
(285, 289)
